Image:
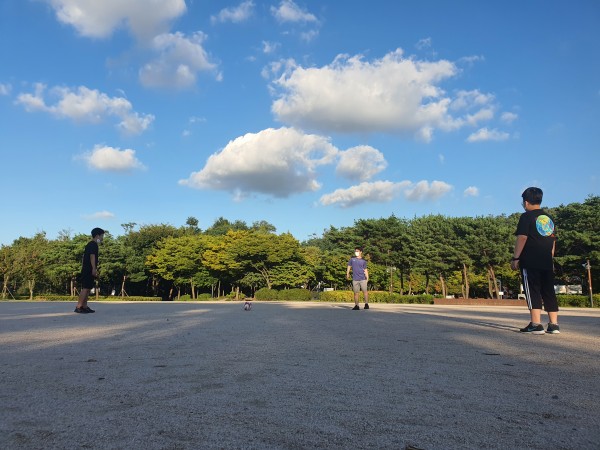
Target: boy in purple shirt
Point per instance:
(360, 277)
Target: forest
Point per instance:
(467, 257)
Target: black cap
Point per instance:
(97, 232)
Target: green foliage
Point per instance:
(376, 297)
(103, 298)
(432, 254)
(266, 294)
(294, 294)
(580, 301)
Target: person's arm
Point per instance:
(348, 272)
(93, 262)
(521, 240)
(553, 247)
(367, 274)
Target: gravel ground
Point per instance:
(294, 376)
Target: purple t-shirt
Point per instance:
(359, 265)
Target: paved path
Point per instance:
(293, 376)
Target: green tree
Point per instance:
(29, 259)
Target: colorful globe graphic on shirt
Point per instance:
(544, 225)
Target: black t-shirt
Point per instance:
(90, 249)
(539, 229)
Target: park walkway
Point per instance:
(295, 376)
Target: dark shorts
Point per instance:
(87, 281)
(539, 289)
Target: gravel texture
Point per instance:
(295, 376)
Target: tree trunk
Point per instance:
(427, 283)
(123, 293)
(178, 293)
(4, 287)
(465, 286)
(237, 292)
(31, 285)
(443, 283)
(193, 289)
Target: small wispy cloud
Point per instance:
(100, 215)
(471, 191)
(485, 134)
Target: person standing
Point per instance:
(533, 256)
(360, 277)
(89, 271)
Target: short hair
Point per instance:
(97, 232)
(533, 195)
(358, 248)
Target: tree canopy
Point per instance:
(465, 256)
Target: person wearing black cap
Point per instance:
(89, 271)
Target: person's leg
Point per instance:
(356, 289)
(83, 296)
(549, 296)
(365, 292)
(531, 286)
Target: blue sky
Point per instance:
(305, 114)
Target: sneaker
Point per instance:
(366, 306)
(356, 308)
(533, 329)
(81, 311)
(89, 310)
(553, 328)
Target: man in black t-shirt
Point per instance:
(533, 254)
(89, 271)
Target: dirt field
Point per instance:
(295, 376)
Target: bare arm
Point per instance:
(521, 240)
(367, 274)
(93, 262)
(348, 273)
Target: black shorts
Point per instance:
(539, 289)
(87, 281)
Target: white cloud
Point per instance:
(5, 89)
(423, 43)
(309, 36)
(100, 215)
(360, 163)
(509, 117)
(270, 47)
(377, 191)
(235, 14)
(99, 19)
(471, 191)
(277, 162)
(385, 191)
(485, 134)
(392, 94)
(288, 11)
(86, 105)
(111, 159)
(179, 61)
(425, 191)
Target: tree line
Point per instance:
(462, 256)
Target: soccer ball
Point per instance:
(247, 306)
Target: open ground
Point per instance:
(295, 375)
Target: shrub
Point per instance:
(68, 298)
(295, 294)
(266, 294)
(376, 297)
(581, 301)
(204, 296)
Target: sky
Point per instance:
(306, 114)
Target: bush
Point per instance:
(295, 294)
(266, 294)
(375, 297)
(205, 296)
(580, 301)
(68, 298)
